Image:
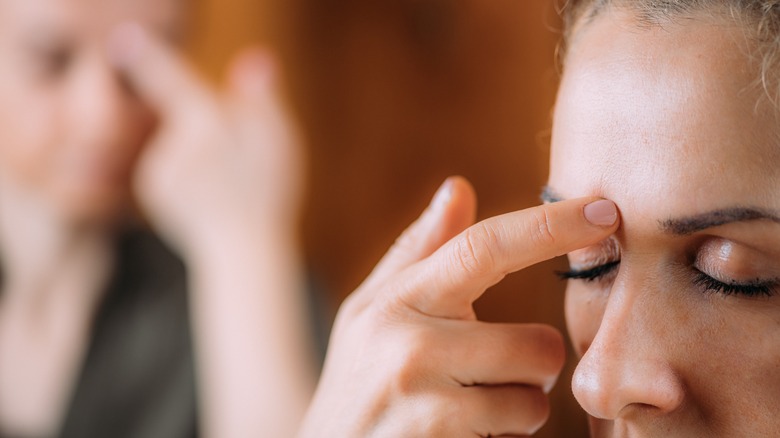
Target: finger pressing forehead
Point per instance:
(448, 282)
(160, 74)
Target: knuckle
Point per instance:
(455, 414)
(394, 305)
(541, 232)
(439, 415)
(412, 358)
(351, 306)
(474, 250)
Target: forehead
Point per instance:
(91, 16)
(666, 119)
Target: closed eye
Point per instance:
(751, 289)
(591, 274)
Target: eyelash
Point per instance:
(756, 289)
(589, 275)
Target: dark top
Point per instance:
(138, 378)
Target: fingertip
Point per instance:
(451, 210)
(443, 195)
(602, 213)
(251, 71)
(462, 203)
(461, 183)
(557, 356)
(454, 206)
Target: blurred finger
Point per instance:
(156, 71)
(251, 74)
(257, 109)
(485, 253)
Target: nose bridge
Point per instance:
(626, 363)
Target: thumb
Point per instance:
(156, 71)
(452, 210)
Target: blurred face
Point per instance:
(677, 318)
(70, 129)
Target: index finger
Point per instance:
(447, 283)
(156, 71)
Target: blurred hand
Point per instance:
(220, 161)
(221, 181)
(407, 355)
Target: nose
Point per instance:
(626, 367)
(100, 103)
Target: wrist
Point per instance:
(240, 256)
(239, 235)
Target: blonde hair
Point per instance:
(760, 18)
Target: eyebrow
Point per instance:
(691, 224)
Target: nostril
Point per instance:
(609, 389)
(644, 410)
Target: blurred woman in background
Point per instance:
(99, 120)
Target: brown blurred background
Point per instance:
(393, 97)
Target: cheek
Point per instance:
(584, 312)
(733, 363)
(31, 125)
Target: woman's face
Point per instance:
(676, 319)
(70, 129)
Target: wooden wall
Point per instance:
(394, 96)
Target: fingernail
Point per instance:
(602, 213)
(443, 195)
(125, 44)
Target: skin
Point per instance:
(409, 358)
(99, 113)
(222, 181)
(70, 136)
(56, 75)
(208, 203)
(667, 122)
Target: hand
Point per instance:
(221, 181)
(220, 162)
(408, 356)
